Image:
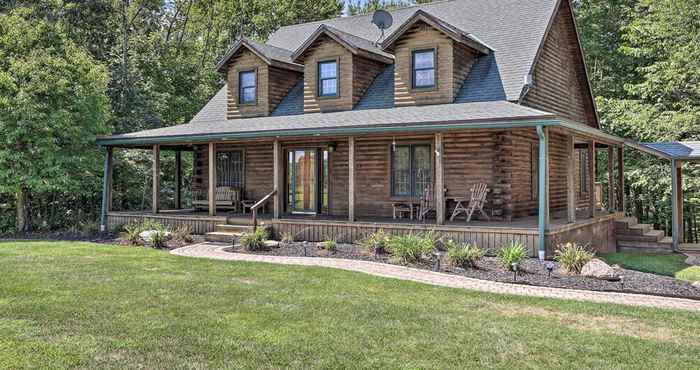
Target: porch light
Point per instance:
(515, 267)
(549, 267)
(393, 144)
(332, 147)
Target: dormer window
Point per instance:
(247, 90)
(328, 78)
(423, 68)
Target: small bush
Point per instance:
(254, 241)
(376, 242)
(572, 256)
(131, 234)
(410, 247)
(511, 253)
(329, 243)
(287, 237)
(463, 255)
(159, 238)
(183, 233)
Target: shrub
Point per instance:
(131, 233)
(159, 237)
(183, 233)
(463, 255)
(376, 242)
(572, 256)
(255, 240)
(410, 247)
(329, 243)
(511, 253)
(287, 237)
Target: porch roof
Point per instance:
(678, 150)
(495, 114)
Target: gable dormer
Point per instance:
(258, 77)
(432, 60)
(338, 69)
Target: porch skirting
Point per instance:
(197, 224)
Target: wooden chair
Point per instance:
(477, 201)
(427, 202)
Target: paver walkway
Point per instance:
(216, 251)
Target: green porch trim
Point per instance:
(324, 132)
(105, 190)
(542, 191)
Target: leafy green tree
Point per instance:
(52, 106)
(364, 7)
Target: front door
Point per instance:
(302, 180)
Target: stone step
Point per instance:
(233, 228)
(649, 236)
(637, 229)
(688, 247)
(222, 237)
(625, 222)
(662, 246)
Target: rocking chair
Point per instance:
(476, 202)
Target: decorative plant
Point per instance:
(513, 252)
(131, 233)
(329, 243)
(573, 256)
(158, 238)
(410, 247)
(463, 255)
(376, 242)
(287, 237)
(183, 233)
(255, 240)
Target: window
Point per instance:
(229, 169)
(583, 171)
(423, 68)
(411, 170)
(328, 78)
(247, 92)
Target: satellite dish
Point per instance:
(383, 20)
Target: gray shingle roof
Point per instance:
(380, 94)
(349, 40)
(688, 150)
(514, 28)
(267, 52)
(487, 113)
(293, 102)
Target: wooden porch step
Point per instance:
(622, 224)
(649, 236)
(689, 247)
(221, 237)
(664, 245)
(233, 228)
(637, 229)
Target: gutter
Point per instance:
(354, 130)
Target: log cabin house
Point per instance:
(329, 128)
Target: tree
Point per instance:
(365, 7)
(52, 107)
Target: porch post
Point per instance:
(351, 178)
(611, 180)
(570, 181)
(277, 179)
(677, 202)
(439, 181)
(592, 175)
(156, 178)
(211, 196)
(542, 191)
(621, 178)
(178, 180)
(106, 190)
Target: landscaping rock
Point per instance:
(598, 269)
(272, 244)
(148, 235)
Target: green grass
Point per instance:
(82, 305)
(662, 264)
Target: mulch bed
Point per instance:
(531, 272)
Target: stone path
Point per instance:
(215, 251)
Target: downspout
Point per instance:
(105, 175)
(541, 191)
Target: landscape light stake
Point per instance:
(304, 245)
(622, 282)
(514, 265)
(549, 267)
(437, 263)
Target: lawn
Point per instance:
(661, 264)
(82, 305)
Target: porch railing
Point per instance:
(259, 204)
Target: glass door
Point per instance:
(302, 180)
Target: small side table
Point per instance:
(401, 209)
(247, 204)
(459, 206)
